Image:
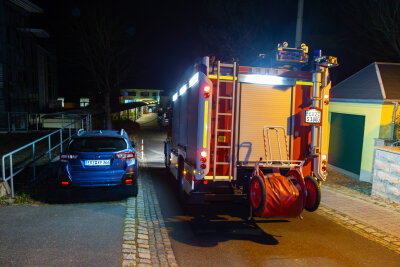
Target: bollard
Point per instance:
(142, 148)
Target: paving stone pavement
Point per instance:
(145, 238)
(368, 216)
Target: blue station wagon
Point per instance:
(97, 159)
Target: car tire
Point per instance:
(135, 188)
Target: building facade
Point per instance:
(28, 80)
(363, 107)
(140, 95)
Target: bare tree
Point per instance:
(103, 40)
(377, 24)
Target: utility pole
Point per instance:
(299, 24)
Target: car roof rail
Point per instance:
(122, 132)
(80, 132)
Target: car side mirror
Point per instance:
(133, 144)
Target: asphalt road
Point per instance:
(82, 227)
(220, 235)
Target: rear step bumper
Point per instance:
(200, 197)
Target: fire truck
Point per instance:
(252, 133)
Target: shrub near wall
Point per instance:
(386, 175)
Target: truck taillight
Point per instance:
(326, 99)
(203, 159)
(65, 157)
(323, 163)
(207, 90)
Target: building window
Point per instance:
(144, 94)
(84, 102)
(131, 93)
(62, 101)
(155, 94)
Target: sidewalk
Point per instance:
(347, 202)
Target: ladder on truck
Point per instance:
(229, 115)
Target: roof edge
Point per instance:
(354, 74)
(378, 74)
(28, 6)
(366, 101)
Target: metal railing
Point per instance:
(84, 123)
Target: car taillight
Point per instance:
(64, 183)
(128, 181)
(126, 155)
(64, 157)
(207, 90)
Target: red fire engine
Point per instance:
(252, 133)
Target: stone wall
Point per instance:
(386, 173)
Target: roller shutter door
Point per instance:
(346, 141)
(260, 106)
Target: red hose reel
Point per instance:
(277, 196)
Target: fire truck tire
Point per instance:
(257, 194)
(180, 181)
(313, 194)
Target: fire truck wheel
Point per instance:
(257, 193)
(180, 182)
(313, 194)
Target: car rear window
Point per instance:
(97, 144)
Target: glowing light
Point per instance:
(266, 79)
(175, 97)
(205, 132)
(323, 157)
(203, 154)
(194, 79)
(183, 89)
(326, 96)
(207, 89)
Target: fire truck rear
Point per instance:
(252, 133)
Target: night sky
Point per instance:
(161, 39)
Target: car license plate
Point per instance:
(313, 116)
(97, 162)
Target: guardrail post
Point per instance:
(49, 148)
(12, 177)
(82, 124)
(33, 162)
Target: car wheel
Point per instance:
(135, 188)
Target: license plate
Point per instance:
(313, 116)
(97, 162)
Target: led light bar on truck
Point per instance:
(266, 79)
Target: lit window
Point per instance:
(62, 101)
(84, 102)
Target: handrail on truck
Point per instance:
(83, 122)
